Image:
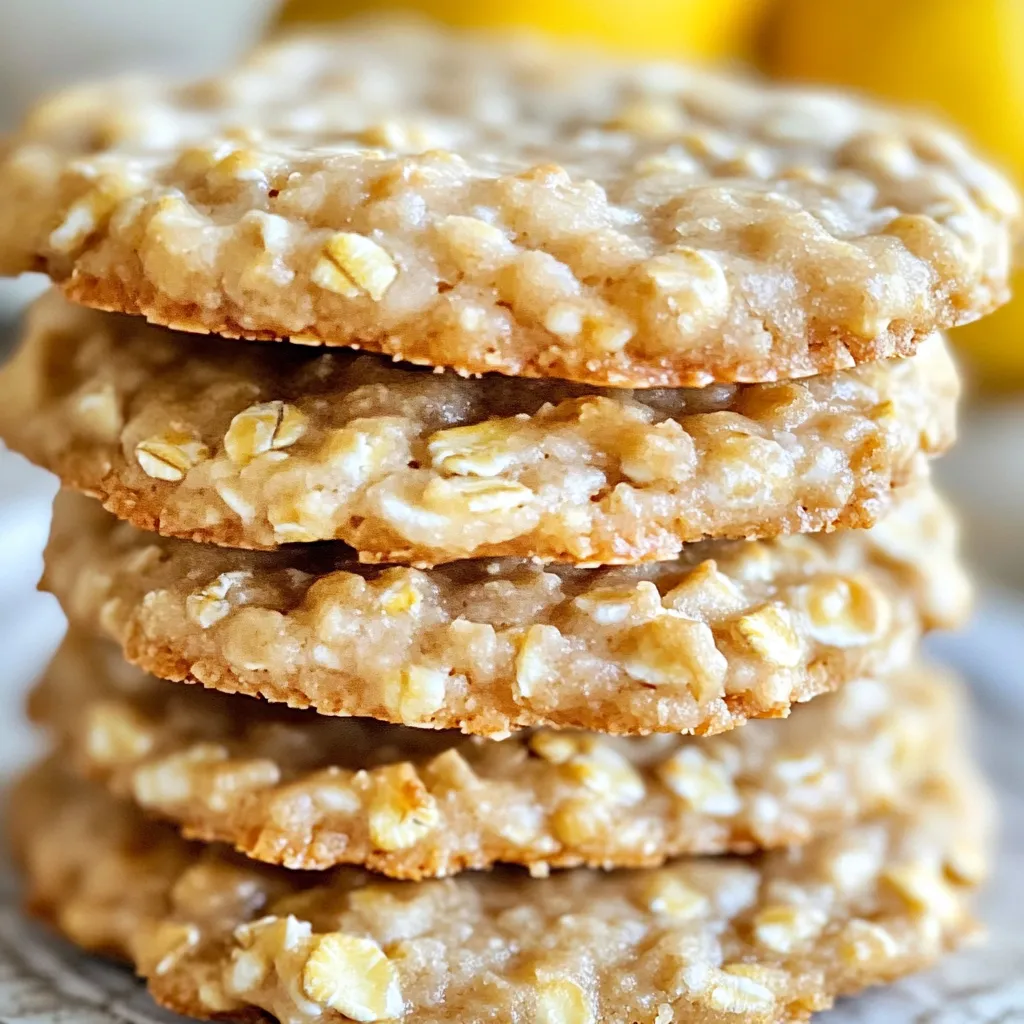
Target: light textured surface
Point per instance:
(311, 791)
(733, 630)
(990, 500)
(255, 446)
(493, 204)
(31, 623)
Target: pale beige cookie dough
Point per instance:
(770, 938)
(308, 791)
(255, 446)
(500, 204)
(732, 630)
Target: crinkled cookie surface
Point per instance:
(253, 446)
(731, 630)
(765, 939)
(309, 791)
(497, 204)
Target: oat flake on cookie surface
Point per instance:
(309, 791)
(729, 631)
(770, 938)
(496, 204)
(255, 446)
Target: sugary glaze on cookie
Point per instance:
(308, 791)
(770, 938)
(732, 630)
(500, 204)
(256, 446)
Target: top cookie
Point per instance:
(499, 205)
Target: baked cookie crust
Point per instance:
(251, 446)
(770, 938)
(307, 791)
(732, 630)
(500, 204)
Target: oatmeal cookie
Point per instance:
(770, 938)
(308, 791)
(729, 631)
(496, 204)
(254, 447)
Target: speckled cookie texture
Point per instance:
(496, 204)
(309, 791)
(765, 939)
(731, 631)
(255, 446)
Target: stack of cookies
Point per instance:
(493, 431)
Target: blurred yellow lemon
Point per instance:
(701, 29)
(963, 59)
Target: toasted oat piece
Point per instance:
(730, 631)
(307, 791)
(770, 938)
(253, 447)
(497, 204)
